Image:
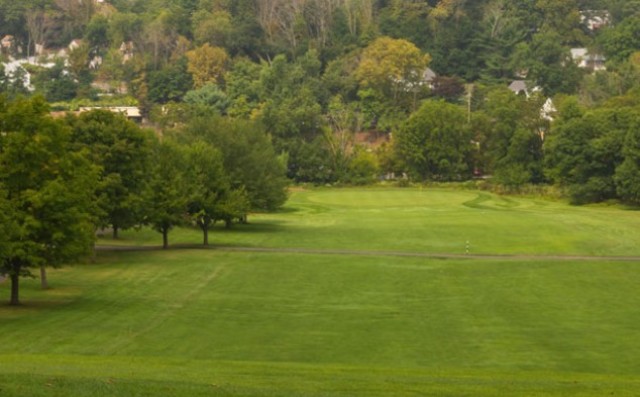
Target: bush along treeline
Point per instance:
(63, 179)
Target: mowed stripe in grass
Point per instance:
(383, 314)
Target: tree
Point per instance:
(243, 88)
(405, 19)
(584, 148)
(248, 158)
(207, 65)
(12, 85)
(121, 150)
(39, 21)
(391, 66)
(548, 63)
(343, 122)
(170, 83)
(125, 27)
(160, 34)
(79, 62)
(503, 32)
(234, 204)
(291, 94)
(563, 18)
(49, 193)
(96, 34)
(436, 142)
(512, 137)
(75, 15)
(12, 19)
(63, 209)
(363, 167)
(210, 97)
(620, 41)
(208, 185)
(165, 199)
(56, 83)
(211, 27)
(627, 174)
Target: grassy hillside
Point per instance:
(229, 323)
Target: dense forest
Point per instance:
(518, 92)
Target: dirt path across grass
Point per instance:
(345, 252)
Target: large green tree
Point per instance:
(166, 197)
(584, 148)
(627, 174)
(511, 135)
(208, 184)
(121, 149)
(248, 157)
(436, 142)
(49, 191)
(392, 66)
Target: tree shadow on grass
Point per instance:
(270, 226)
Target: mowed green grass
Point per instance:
(222, 323)
(426, 220)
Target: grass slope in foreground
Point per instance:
(209, 322)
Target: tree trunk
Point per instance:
(204, 225)
(165, 238)
(44, 283)
(115, 232)
(15, 288)
(228, 223)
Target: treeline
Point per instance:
(63, 179)
(591, 153)
(345, 88)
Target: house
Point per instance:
(586, 60)
(428, 76)
(520, 87)
(130, 112)
(14, 70)
(39, 49)
(7, 44)
(126, 50)
(548, 110)
(95, 62)
(416, 80)
(595, 19)
(75, 44)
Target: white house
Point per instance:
(586, 60)
(595, 19)
(548, 110)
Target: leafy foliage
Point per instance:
(436, 142)
(48, 192)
